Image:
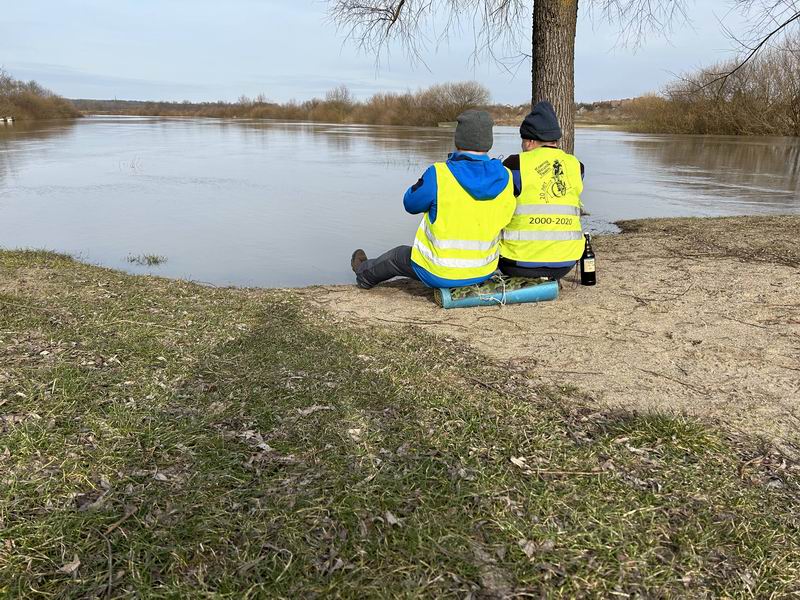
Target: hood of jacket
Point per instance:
(483, 177)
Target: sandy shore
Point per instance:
(690, 316)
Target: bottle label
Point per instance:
(588, 265)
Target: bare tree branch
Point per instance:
(753, 51)
(638, 18)
(499, 27)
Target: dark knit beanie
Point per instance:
(474, 131)
(541, 124)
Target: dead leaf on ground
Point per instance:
(85, 502)
(392, 520)
(304, 412)
(531, 548)
(70, 567)
(519, 462)
(528, 547)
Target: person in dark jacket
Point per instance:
(545, 238)
(466, 202)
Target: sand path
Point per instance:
(694, 316)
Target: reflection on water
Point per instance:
(36, 134)
(738, 168)
(267, 203)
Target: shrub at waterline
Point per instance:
(443, 102)
(146, 260)
(29, 100)
(761, 98)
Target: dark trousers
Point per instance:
(393, 263)
(510, 268)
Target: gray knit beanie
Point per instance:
(474, 131)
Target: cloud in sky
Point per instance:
(209, 50)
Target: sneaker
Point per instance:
(359, 256)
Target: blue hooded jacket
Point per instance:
(482, 177)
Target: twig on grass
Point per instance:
(281, 551)
(499, 319)
(25, 306)
(581, 473)
(575, 335)
(488, 386)
(110, 568)
(743, 322)
(142, 323)
(641, 510)
(128, 514)
(581, 372)
(676, 380)
(406, 322)
(638, 330)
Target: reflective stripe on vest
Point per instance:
(548, 209)
(546, 227)
(457, 263)
(457, 244)
(464, 240)
(543, 236)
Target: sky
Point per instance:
(202, 50)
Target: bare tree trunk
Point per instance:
(553, 71)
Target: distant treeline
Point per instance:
(436, 104)
(761, 98)
(28, 100)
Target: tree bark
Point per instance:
(553, 69)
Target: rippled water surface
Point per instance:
(284, 204)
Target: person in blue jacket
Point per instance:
(483, 178)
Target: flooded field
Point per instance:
(233, 202)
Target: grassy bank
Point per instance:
(162, 439)
(28, 100)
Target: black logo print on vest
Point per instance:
(559, 187)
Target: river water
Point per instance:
(255, 203)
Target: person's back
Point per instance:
(545, 237)
(459, 244)
(466, 202)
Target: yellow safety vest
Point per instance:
(463, 242)
(546, 227)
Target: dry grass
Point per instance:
(162, 439)
(146, 260)
(28, 100)
(762, 98)
(766, 239)
(442, 102)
